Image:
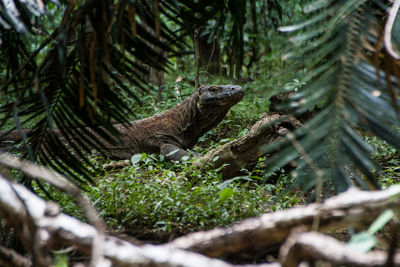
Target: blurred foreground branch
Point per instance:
(350, 209)
(41, 227)
(314, 246)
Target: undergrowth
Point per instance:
(156, 197)
(389, 160)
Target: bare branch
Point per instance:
(20, 207)
(352, 208)
(318, 172)
(61, 182)
(314, 246)
(61, 229)
(244, 152)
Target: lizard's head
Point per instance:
(214, 96)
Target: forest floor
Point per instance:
(155, 200)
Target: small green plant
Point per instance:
(389, 158)
(60, 259)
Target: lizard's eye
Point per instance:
(213, 89)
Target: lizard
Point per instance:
(172, 132)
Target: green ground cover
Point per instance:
(155, 199)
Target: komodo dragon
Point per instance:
(172, 132)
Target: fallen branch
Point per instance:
(42, 224)
(352, 208)
(19, 206)
(61, 182)
(314, 246)
(244, 152)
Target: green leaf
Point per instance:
(362, 242)
(185, 158)
(342, 83)
(225, 194)
(104, 68)
(381, 221)
(136, 158)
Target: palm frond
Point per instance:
(342, 81)
(80, 74)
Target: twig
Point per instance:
(211, 55)
(318, 172)
(117, 165)
(197, 58)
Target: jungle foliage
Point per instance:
(72, 64)
(353, 82)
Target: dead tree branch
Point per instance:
(245, 151)
(58, 229)
(61, 182)
(352, 208)
(42, 224)
(314, 246)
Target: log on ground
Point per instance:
(244, 152)
(353, 208)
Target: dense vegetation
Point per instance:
(156, 196)
(90, 63)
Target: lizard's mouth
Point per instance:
(230, 99)
(226, 95)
